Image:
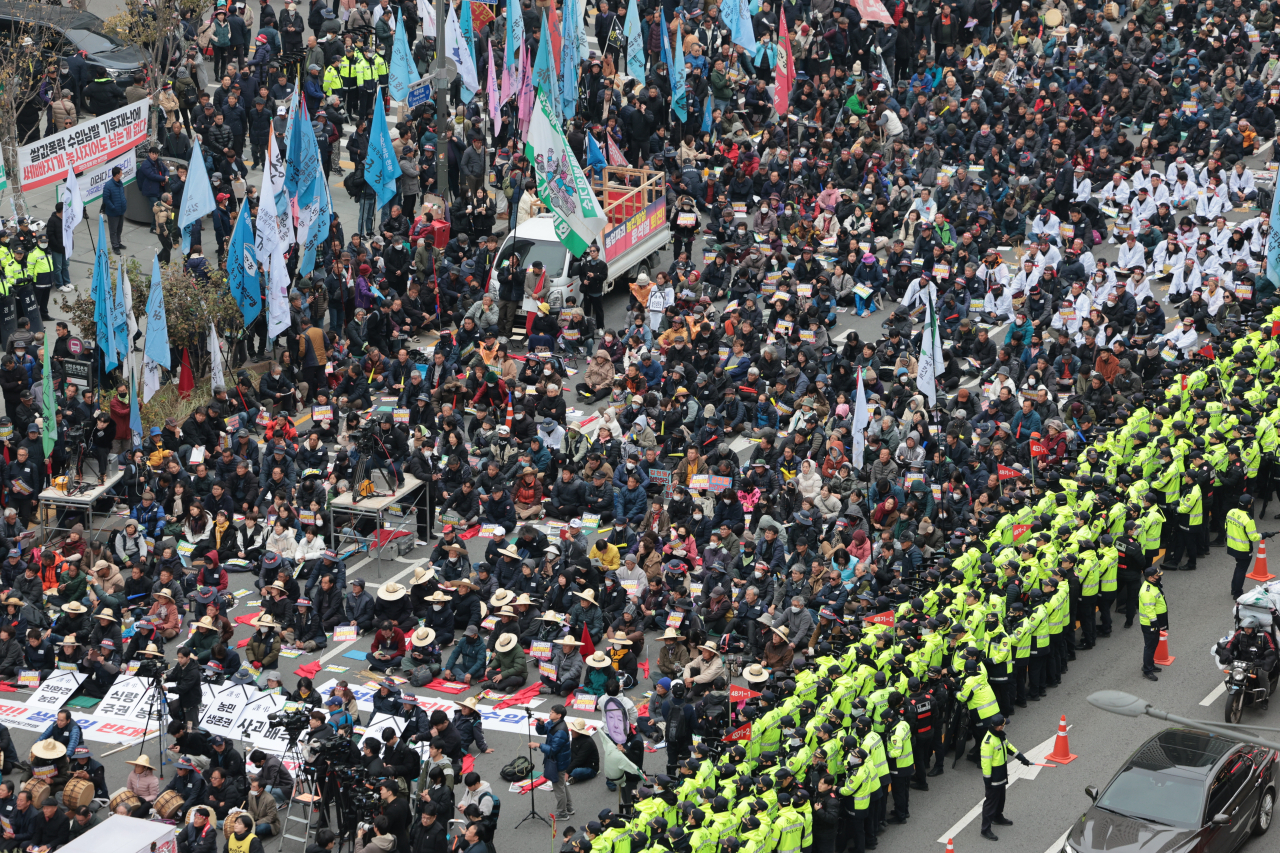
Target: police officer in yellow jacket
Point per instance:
(1153, 616)
(42, 264)
(1190, 518)
(1241, 535)
(996, 751)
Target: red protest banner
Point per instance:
(1020, 530)
(885, 618)
(1007, 473)
(1038, 449)
(742, 732)
(741, 694)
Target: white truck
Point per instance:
(635, 202)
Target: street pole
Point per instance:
(1127, 705)
(441, 78)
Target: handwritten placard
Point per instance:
(345, 633)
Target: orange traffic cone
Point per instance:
(1162, 657)
(1260, 573)
(951, 845)
(1061, 748)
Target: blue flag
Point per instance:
(402, 71)
(570, 58)
(242, 268)
(101, 292)
(595, 157)
(515, 34)
(120, 319)
(635, 42)
(293, 111)
(666, 38)
(197, 198)
(381, 168)
(545, 79)
(469, 39)
(302, 160)
(706, 115)
(679, 97)
(319, 228)
(156, 346)
(1273, 243)
(736, 15)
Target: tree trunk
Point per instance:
(9, 148)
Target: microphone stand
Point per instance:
(533, 789)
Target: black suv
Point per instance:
(65, 31)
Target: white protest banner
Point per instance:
(90, 143)
(56, 690)
(91, 181)
(223, 714)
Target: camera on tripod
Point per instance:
(293, 722)
(149, 668)
(366, 438)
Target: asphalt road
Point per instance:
(1043, 804)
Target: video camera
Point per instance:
(293, 722)
(366, 438)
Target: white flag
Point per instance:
(72, 210)
(215, 357)
(861, 417)
(562, 185)
(930, 351)
(279, 196)
(427, 14)
(131, 320)
(150, 379)
(456, 48)
(269, 247)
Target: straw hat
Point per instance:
(578, 725)
(13, 599)
(48, 749)
(206, 622)
(471, 582)
(391, 591)
(599, 660)
(502, 598)
(142, 761)
(755, 674)
(524, 599)
(159, 593)
(781, 631)
(710, 647)
(671, 634)
(470, 702)
(421, 576)
(620, 639)
(510, 551)
(107, 613)
(277, 586)
(568, 641)
(263, 621)
(423, 637)
(589, 595)
(505, 643)
(74, 607)
(506, 611)
(439, 597)
(552, 616)
(153, 650)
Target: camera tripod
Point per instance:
(338, 796)
(158, 710)
(533, 790)
(293, 752)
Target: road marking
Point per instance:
(1016, 772)
(1213, 695)
(1056, 846)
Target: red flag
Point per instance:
(1007, 473)
(1206, 351)
(187, 381)
(468, 764)
(1038, 449)
(873, 10)
(481, 14)
(742, 732)
(644, 669)
(1020, 530)
(785, 74)
(588, 647)
(885, 618)
(616, 158)
(557, 39)
(741, 694)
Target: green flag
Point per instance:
(50, 404)
(562, 186)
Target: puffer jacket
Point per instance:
(600, 372)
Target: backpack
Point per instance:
(490, 821)
(517, 770)
(353, 183)
(508, 188)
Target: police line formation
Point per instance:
(998, 532)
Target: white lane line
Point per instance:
(339, 648)
(1213, 695)
(1016, 772)
(1056, 847)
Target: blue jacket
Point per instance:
(152, 177)
(652, 372)
(113, 202)
(1023, 425)
(631, 504)
(467, 659)
(556, 752)
(151, 520)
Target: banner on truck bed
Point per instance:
(90, 143)
(637, 227)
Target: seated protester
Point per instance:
(584, 763)
(568, 665)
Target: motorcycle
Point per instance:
(1242, 689)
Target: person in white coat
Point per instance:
(1183, 337)
(1131, 255)
(1240, 187)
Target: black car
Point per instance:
(1183, 791)
(64, 31)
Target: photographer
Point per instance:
(185, 677)
(379, 840)
(395, 809)
(273, 775)
(392, 447)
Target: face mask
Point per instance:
(608, 583)
(437, 607)
(697, 516)
(862, 25)
(759, 574)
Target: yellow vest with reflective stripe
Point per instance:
(1241, 531)
(235, 845)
